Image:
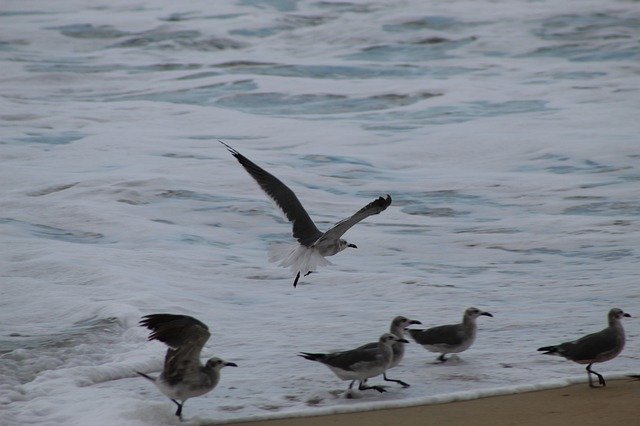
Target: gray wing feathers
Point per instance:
(180, 364)
(185, 336)
(174, 330)
(372, 345)
(347, 360)
(304, 230)
(444, 334)
(590, 346)
(376, 206)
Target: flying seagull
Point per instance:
(183, 376)
(596, 347)
(397, 328)
(452, 338)
(361, 363)
(314, 245)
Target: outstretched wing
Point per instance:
(304, 230)
(374, 207)
(185, 337)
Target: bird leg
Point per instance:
(363, 386)
(349, 394)
(600, 378)
(400, 382)
(179, 410)
(295, 282)
(442, 358)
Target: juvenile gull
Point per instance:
(596, 347)
(183, 376)
(360, 364)
(397, 328)
(452, 338)
(314, 245)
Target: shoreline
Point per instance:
(572, 404)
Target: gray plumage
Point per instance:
(183, 376)
(361, 363)
(397, 328)
(314, 245)
(595, 347)
(451, 338)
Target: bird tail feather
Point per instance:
(297, 257)
(278, 252)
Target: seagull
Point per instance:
(314, 245)
(452, 338)
(360, 364)
(596, 347)
(397, 328)
(183, 376)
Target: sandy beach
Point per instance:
(576, 404)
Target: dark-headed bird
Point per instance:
(596, 347)
(313, 245)
(452, 338)
(183, 376)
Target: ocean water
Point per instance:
(506, 132)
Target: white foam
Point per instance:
(515, 190)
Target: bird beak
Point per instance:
(414, 322)
(487, 314)
(352, 245)
(403, 340)
(626, 315)
(230, 364)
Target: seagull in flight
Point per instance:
(313, 245)
(183, 376)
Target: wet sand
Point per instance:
(618, 403)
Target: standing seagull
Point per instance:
(183, 376)
(452, 338)
(397, 328)
(360, 364)
(596, 347)
(314, 245)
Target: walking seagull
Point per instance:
(360, 364)
(596, 347)
(452, 338)
(314, 245)
(397, 328)
(183, 376)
